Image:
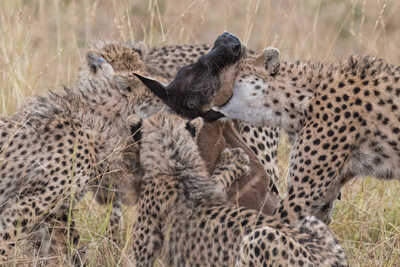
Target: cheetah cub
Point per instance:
(183, 219)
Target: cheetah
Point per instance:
(343, 117)
(165, 61)
(59, 145)
(184, 220)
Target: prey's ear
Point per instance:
(271, 60)
(135, 123)
(212, 115)
(156, 87)
(194, 127)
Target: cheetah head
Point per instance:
(205, 83)
(167, 142)
(253, 82)
(123, 58)
(112, 66)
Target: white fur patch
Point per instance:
(247, 102)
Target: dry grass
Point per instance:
(42, 41)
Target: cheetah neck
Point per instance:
(257, 101)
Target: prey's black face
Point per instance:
(196, 85)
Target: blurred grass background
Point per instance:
(42, 43)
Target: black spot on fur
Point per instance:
(191, 129)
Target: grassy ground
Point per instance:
(42, 43)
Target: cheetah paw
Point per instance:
(225, 157)
(241, 156)
(237, 157)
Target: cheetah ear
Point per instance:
(139, 47)
(271, 60)
(194, 127)
(156, 87)
(136, 124)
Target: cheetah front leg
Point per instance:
(233, 164)
(147, 237)
(18, 217)
(316, 174)
(264, 141)
(58, 236)
(105, 196)
(147, 244)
